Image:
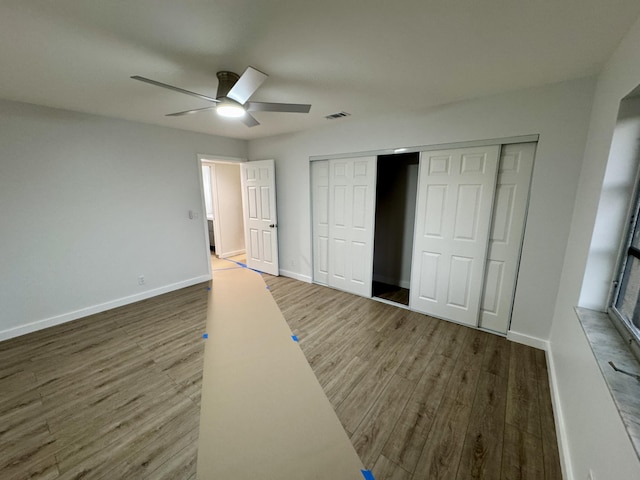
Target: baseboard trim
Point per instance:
(84, 312)
(534, 342)
(561, 432)
(232, 254)
(296, 276)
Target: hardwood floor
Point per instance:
(422, 398)
(392, 293)
(112, 396)
(116, 395)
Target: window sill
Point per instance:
(607, 345)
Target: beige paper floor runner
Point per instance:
(264, 414)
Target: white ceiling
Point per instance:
(366, 57)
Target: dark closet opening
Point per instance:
(396, 190)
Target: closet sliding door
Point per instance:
(320, 225)
(453, 217)
(507, 232)
(352, 183)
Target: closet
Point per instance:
(441, 227)
(395, 206)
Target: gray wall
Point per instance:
(87, 204)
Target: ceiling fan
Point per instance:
(232, 97)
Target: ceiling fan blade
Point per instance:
(189, 112)
(175, 89)
(246, 85)
(278, 107)
(249, 120)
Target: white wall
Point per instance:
(558, 113)
(228, 191)
(87, 204)
(596, 437)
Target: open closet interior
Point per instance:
(396, 187)
(440, 231)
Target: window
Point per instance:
(625, 307)
(623, 182)
(626, 303)
(618, 235)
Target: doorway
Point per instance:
(396, 189)
(223, 205)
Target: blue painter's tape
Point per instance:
(294, 337)
(205, 335)
(367, 475)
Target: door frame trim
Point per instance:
(426, 148)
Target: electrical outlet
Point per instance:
(141, 280)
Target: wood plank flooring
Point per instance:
(423, 398)
(111, 396)
(116, 395)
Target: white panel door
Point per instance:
(352, 184)
(320, 213)
(453, 217)
(507, 229)
(260, 221)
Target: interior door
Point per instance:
(352, 183)
(507, 230)
(453, 218)
(260, 220)
(320, 214)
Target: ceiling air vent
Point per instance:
(333, 116)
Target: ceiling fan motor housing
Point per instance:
(226, 81)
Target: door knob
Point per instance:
(273, 225)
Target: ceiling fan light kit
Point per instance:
(232, 97)
(229, 108)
